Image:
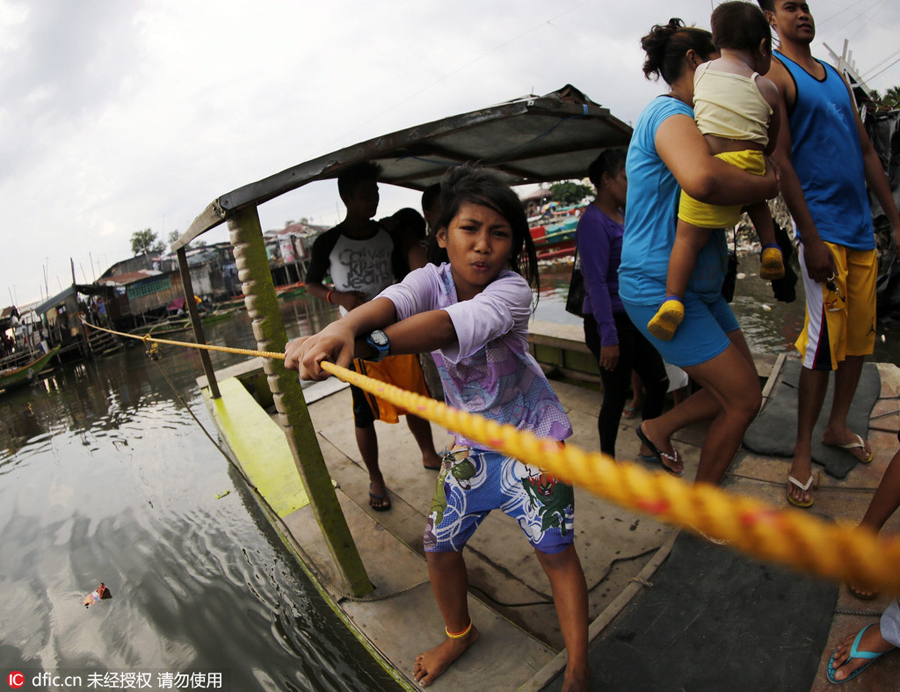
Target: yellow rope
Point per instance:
(146, 338)
(790, 537)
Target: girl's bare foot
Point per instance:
(431, 664)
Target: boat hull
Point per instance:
(28, 373)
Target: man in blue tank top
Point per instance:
(825, 159)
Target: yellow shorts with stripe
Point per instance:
(709, 216)
(840, 322)
(401, 371)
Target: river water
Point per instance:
(105, 476)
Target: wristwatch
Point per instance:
(379, 342)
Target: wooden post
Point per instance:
(191, 306)
(268, 328)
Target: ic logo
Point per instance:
(15, 679)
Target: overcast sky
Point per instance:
(120, 115)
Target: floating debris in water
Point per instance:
(221, 495)
(95, 595)
(766, 307)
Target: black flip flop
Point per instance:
(383, 498)
(659, 455)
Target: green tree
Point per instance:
(569, 192)
(892, 97)
(146, 241)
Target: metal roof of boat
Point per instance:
(531, 139)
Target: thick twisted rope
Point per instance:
(790, 537)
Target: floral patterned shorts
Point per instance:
(472, 482)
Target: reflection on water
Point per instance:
(105, 477)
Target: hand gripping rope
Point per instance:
(790, 537)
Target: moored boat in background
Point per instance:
(11, 378)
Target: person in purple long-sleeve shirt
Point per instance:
(612, 338)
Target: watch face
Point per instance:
(379, 338)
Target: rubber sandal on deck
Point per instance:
(872, 656)
(862, 594)
(850, 446)
(658, 456)
(813, 481)
(383, 498)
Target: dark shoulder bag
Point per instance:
(731, 273)
(576, 290)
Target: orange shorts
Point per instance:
(400, 371)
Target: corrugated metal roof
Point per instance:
(528, 140)
(129, 278)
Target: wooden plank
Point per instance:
(564, 336)
(248, 430)
(401, 618)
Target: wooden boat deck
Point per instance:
(520, 646)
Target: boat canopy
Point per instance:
(531, 139)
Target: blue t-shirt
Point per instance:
(827, 156)
(651, 217)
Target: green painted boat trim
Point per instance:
(248, 429)
(26, 374)
(260, 447)
(373, 650)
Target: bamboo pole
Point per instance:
(262, 306)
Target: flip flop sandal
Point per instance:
(383, 498)
(850, 446)
(630, 411)
(813, 481)
(658, 456)
(871, 656)
(861, 594)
